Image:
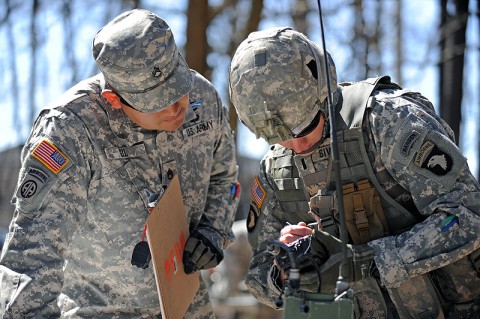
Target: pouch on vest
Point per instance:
(459, 282)
(417, 298)
(364, 215)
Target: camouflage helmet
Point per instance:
(273, 83)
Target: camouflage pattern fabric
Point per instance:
(82, 201)
(279, 53)
(137, 54)
(414, 145)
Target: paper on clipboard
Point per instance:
(167, 232)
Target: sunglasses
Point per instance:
(309, 129)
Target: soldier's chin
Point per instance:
(309, 150)
(306, 153)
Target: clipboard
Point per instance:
(167, 233)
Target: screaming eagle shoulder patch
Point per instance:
(252, 218)
(430, 157)
(50, 156)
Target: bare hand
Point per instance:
(290, 233)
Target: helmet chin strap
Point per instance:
(326, 129)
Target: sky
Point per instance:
(423, 79)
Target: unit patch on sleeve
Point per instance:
(429, 156)
(257, 192)
(407, 145)
(50, 156)
(252, 218)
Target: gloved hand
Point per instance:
(308, 254)
(200, 252)
(360, 263)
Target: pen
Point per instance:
(311, 225)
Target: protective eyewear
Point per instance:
(310, 127)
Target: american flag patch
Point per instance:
(50, 156)
(258, 193)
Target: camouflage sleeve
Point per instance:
(223, 196)
(50, 201)
(413, 144)
(264, 223)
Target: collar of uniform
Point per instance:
(124, 128)
(190, 115)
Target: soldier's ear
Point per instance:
(112, 98)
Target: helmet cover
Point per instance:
(273, 83)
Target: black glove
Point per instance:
(200, 252)
(308, 254)
(305, 252)
(360, 263)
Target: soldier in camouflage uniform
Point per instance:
(411, 204)
(92, 166)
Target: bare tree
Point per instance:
(399, 42)
(196, 48)
(69, 38)
(12, 59)
(452, 45)
(359, 42)
(299, 16)
(33, 63)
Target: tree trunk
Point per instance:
(196, 48)
(252, 25)
(33, 64)
(452, 45)
(12, 61)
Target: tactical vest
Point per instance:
(375, 204)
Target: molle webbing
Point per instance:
(355, 167)
(290, 190)
(298, 178)
(358, 160)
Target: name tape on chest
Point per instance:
(198, 128)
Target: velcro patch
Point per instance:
(195, 104)
(430, 157)
(252, 218)
(33, 182)
(257, 192)
(38, 173)
(50, 156)
(198, 128)
(407, 145)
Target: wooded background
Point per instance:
(45, 48)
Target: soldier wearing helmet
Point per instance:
(411, 203)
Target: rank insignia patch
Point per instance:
(50, 156)
(195, 104)
(429, 156)
(257, 192)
